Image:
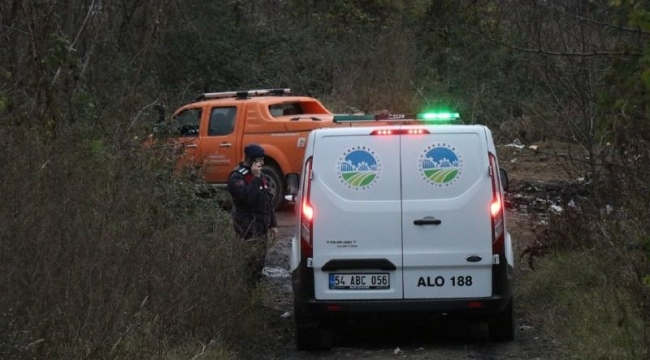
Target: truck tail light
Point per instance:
(496, 208)
(306, 213)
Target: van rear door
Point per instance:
(446, 194)
(355, 194)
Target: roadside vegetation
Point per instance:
(104, 254)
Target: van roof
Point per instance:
(366, 130)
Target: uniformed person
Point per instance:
(253, 214)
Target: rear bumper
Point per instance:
(482, 306)
(310, 310)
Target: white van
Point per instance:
(397, 219)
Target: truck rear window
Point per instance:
(297, 108)
(285, 109)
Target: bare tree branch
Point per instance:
(556, 53)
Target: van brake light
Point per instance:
(400, 132)
(306, 213)
(496, 208)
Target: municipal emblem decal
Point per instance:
(440, 165)
(359, 168)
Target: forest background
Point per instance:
(104, 255)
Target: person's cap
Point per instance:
(254, 151)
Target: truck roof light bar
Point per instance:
(428, 116)
(243, 94)
(372, 117)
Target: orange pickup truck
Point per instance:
(212, 131)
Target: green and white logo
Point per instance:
(440, 165)
(359, 168)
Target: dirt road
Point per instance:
(445, 340)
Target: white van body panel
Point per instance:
(375, 219)
(435, 256)
(356, 222)
(294, 257)
(509, 254)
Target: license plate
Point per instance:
(359, 281)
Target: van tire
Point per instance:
(308, 338)
(502, 325)
(276, 185)
(310, 335)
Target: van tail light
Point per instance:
(306, 213)
(496, 207)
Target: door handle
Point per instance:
(358, 264)
(427, 221)
(226, 145)
(191, 146)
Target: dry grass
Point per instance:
(590, 286)
(582, 305)
(103, 254)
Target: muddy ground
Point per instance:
(537, 182)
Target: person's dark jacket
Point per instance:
(253, 213)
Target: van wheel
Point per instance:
(502, 325)
(308, 338)
(276, 185)
(309, 331)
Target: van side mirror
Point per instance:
(504, 179)
(293, 182)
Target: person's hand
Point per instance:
(256, 169)
(273, 233)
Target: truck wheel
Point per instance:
(276, 185)
(502, 325)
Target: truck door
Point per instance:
(219, 155)
(355, 195)
(185, 137)
(446, 223)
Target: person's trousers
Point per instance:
(255, 259)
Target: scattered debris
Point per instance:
(516, 144)
(275, 272)
(542, 197)
(526, 328)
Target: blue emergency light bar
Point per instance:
(428, 116)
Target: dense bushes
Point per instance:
(105, 255)
(591, 278)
